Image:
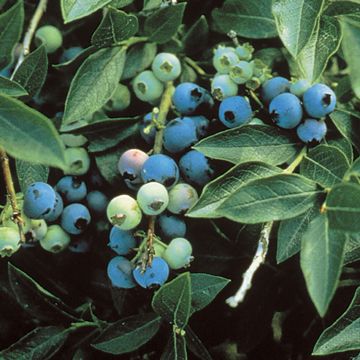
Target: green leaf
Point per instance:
(290, 233)
(324, 164)
(163, 24)
(340, 8)
(323, 43)
(352, 249)
(344, 145)
(343, 208)
(151, 4)
(321, 258)
(128, 334)
(115, 26)
(249, 19)
(218, 190)
(138, 59)
(195, 39)
(355, 168)
(195, 345)
(29, 135)
(120, 3)
(40, 343)
(250, 143)
(76, 9)
(343, 335)
(295, 22)
(277, 197)
(36, 300)
(173, 300)
(351, 49)
(94, 84)
(175, 348)
(28, 173)
(74, 63)
(11, 88)
(32, 72)
(107, 165)
(348, 122)
(204, 289)
(11, 25)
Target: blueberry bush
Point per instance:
(180, 179)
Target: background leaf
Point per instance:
(249, 19)
(11, 88)
(195, 39)
(175, 348)
(76, 9)
(28, 173)
(18, 121)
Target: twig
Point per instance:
(258, 259)
(34, 22)
(11, 194)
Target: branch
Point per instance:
(34, 22)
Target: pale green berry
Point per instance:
(178, 253)
(55, 240)
(224, 58)
(38, 230)
(166, 67)
(50, 36)
(222, 87)
(147, 87)
(120, 100)
(181, 198)
(124, 212)
(241, 72)
(159, 249)
(9, 241)
(77, 161)
(72, 140)
(244, 51)
(153, 198)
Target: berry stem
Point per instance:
(11, 194)
(195, 66)
(291, 168)
(34, 22)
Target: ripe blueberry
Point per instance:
(311, 130)
(119, 271)
(154, 275)
(319, 100)
(121, 241)
(75, 218)
(235, 111)
(274, 87)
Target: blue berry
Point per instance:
(224, 58)
(319, 100)
(195, 168)
(222, 87)
(299, 87)
(147, 131)
(171, 226)
(162, 169)
(311, 130)
(189, 98)
(71, 188)
(179, 135)
(235, 111)
(147, 87)
(154, 275)
(166, 67)
(97, 201)
(130, 164)
(274, 87)
(56, 211)
(119, 271)
(39, 200)
(181, 198)
(121, 241)
(286, 111)
(75, 218)
(201, 124)
(152, 198)
(241, 72)
(55, 240)
(70, 53)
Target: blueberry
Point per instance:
(241, 72)
(181, 198)
(178, 253)
(37, 231)
(71, 140)
(147, 87)
(9, 241)
(224, 58)
(222, 87)
(286, 110)
(154, 275)
(166, 67)
(244, 51)
(71, 188)
(162, 169)
(81, 244)
(201, 124)
(57, 209)
(311, 130)
(55, 240)
(121, 241)
(189, 98)
(171, 226)
(39, 200)
(195, 168)
(119, 271)
(77, 161)
(6, 72)
(50, 36)
(319, 100)
(274, 87)
(75, 218)
(97, 201)
(179, 135)
(299, 87)
(70, 53)
(152, 198)
(235, 111)
(130, 165)
(124, 212)
(120, 99)
(147, 131)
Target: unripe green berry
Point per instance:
(147, 87)
(120, 100)
(166, 67)
(153, 198)
(9, 241)
(72, 140)
(181, 198)
(178, 253)
(77, 161)
(50, 36)
(55, 240)
(241, 72)
(37, 230)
